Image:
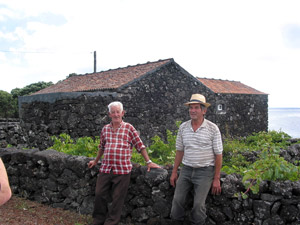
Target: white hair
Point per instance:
(115, 104)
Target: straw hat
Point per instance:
(197, 98)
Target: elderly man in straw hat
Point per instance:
(199, 148)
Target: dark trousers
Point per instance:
(106, 212)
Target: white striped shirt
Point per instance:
(200, 146)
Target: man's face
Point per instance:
(196, 112)
(116, 114)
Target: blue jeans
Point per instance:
(198, 179)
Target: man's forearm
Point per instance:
(99, 155)
(218, 166)
(178, 160)
(144, 153)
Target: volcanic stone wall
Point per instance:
(65, 181)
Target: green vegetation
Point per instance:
(29, 89)
(266, 163)
(160, 152)
(7, 105)
(234, 149)
(84, 146)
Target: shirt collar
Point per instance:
(121, 124)
(203, 125)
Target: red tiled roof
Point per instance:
(110, 79)
(229, 87)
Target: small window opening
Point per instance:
(221, 107)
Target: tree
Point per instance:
(72, 74)
(29, 89)
(7, 105)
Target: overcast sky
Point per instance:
(254, 42)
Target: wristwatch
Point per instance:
(149, 161)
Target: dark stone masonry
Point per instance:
(65, 181)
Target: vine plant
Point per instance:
(268, 166)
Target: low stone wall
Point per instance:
(65, 181)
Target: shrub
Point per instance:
(84, 146)
(160, 152)
(268, 166)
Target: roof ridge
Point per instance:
(217, 79)
(128, 66)
(115, 78)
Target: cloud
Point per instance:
(291, 35)
(254, 42)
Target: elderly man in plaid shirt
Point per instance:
(117, 141)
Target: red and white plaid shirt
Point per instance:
(117, 147)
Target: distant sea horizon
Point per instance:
(286, 120)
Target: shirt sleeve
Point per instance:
(136, 140)
(179, 140)
(217, 142)
(102, 139)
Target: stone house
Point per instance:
(237, 109)
(153, 94)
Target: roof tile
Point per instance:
(109, 79)
(228, 87)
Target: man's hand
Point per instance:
(216, 187)
(92, 163)
(173, 178)
(152, 165)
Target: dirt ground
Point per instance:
(19, 211)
